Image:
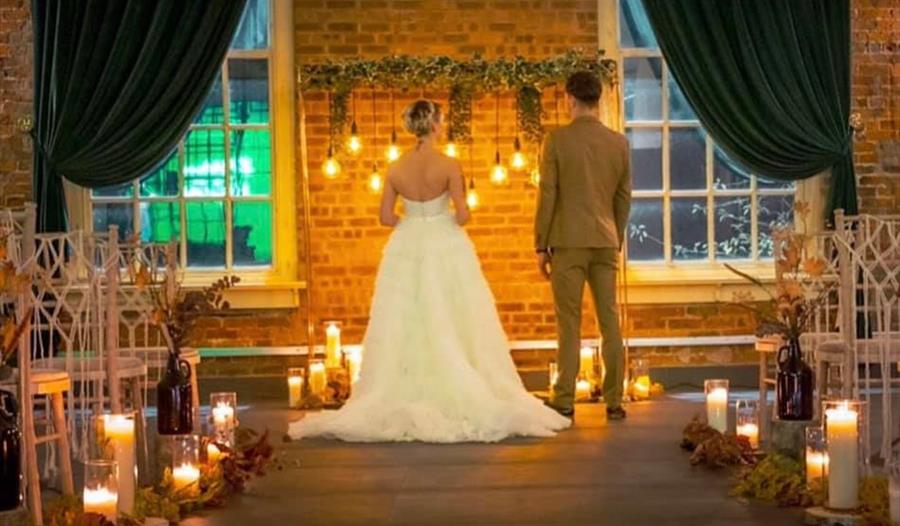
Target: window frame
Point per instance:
(282, 272)
(666, 194)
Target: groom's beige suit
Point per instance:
(582, 212)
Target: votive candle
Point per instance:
(582, 390)
(101, 500)
(332, 345)
(816, 455)
(185, 475)
(318, 379)
(354, 362)
(295, 387)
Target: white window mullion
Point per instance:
(666, 165)
(710, 201)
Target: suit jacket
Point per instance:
(585, 188)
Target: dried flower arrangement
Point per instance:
(799, 285)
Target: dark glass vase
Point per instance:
(173, 398)
(794, 384)
(10, 451)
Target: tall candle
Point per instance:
(751, 431)
(554, 373)
(185, 475)
(318, 379)
(841, 428)
(295, 390)
(332, 345)
(119, 429)
(717, 409)
(100, 500)
(354, 361)
(816, 465)
(587, 363)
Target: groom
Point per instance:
(583, 205)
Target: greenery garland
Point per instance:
(463, 78)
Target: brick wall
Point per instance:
(15, 101)
(876, 96)
(346, 238)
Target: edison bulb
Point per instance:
(450, 150)
(392, 153)
(376, 182)
(331, 168)
(472, 199)
(354, 144)
(518, 161)
(499, 174)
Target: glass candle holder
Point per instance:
(586, 364)
(213, 453)
(747, 421)
(894, 490)
(186, 463)
(353, 360)
(223, 408)
(716, 404)
(842, 420)
(116, 433)
(332, 344)
(640, 372)
(318, 378)
(296, 376)
(816, 456)
(553, 371)
(101, 494)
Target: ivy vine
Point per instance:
(462, 78)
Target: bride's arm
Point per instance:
(386, 215)
(458, 194)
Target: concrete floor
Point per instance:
(597, 473)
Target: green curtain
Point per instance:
(116, 85)
(769, 80)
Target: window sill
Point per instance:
(649, 283)
(253, 292)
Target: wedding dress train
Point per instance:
(436, 364)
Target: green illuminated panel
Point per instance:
(252, 234)
(204, 163)
(251, 162)
(205, 234)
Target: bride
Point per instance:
(436, 364)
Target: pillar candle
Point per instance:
(587, 363)
(717, 409)
(641, 389)
(842, 437)
(101, 500)
(751, 431)
(119, 430)
(185, 475)
(332, 346)
(295, 390)
(816, 465)
(354, 361)
(318, 379)
(554, 373)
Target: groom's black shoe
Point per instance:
(615, 413)
(566, 412)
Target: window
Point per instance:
(690, 202)
(215, 193)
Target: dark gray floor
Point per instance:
(598, 473)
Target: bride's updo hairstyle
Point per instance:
(420, 117)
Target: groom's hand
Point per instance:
(543, 260)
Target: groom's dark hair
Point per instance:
(585, 87)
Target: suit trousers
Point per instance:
(569, 269)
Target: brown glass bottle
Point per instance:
(794, 384)
(173, 399)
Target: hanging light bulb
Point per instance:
(354, 143)
(331, 168)
(450, 149)
(472, 195)
(376, 182)
(518, 161)
(393, 151)
(499, 175)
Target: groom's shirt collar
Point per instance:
(585, 118)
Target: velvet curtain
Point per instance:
(116, 85)
(769, 80)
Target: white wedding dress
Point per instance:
(436, 364)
